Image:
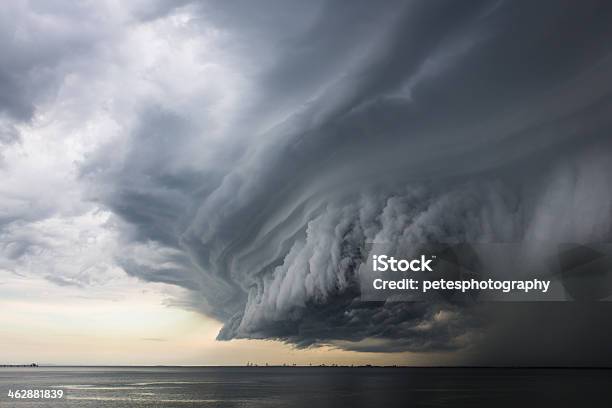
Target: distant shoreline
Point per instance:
(18, 365)
(263, 366)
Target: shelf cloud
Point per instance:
(253, 149)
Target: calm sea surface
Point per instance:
(309, 387)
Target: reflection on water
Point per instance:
(312, 387)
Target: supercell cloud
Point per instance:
(253, 149)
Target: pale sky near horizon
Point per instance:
(130, 323)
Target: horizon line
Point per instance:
(264, 365)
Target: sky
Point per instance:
(194, 182)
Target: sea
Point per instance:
(309, 387)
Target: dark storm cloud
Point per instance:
(38, 41)
(405, 123)
(152, 189)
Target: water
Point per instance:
(311, 387)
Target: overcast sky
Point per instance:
(175, 172)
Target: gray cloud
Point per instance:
(413, 123)
(58, 280)
(39, 41)
(329, 125)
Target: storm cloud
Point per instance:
(258, 147)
